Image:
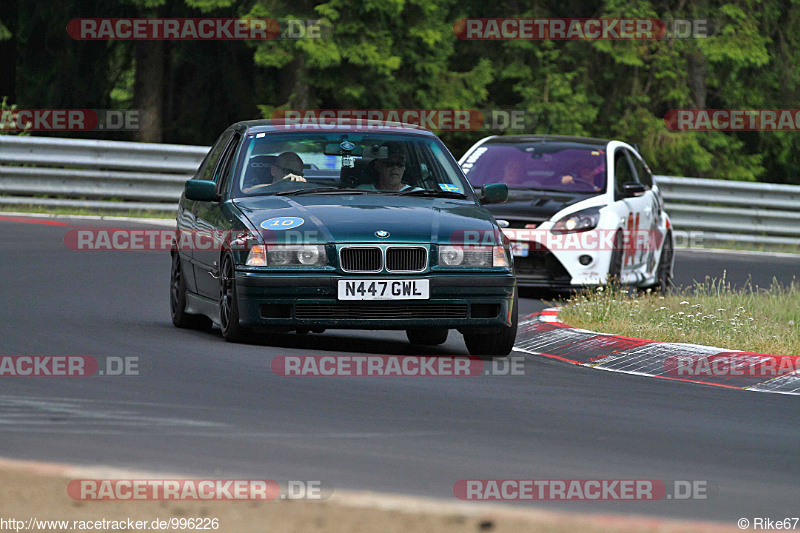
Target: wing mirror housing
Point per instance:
(632, 189)
(200, 190)
(494, 193)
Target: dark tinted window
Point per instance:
(622, 171)
(645, 178)
(209, 164)
(229, 161)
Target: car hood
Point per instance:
(536, 206)
(356, 218)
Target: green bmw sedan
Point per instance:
(355, 226)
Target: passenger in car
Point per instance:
(390, 170)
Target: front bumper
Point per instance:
(542, 269)
(461, 301)
(563, 262)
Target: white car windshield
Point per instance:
(558, 166)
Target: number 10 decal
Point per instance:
(282, 223)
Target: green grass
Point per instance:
(711, 313)
(83, 211)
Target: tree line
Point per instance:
(404, 54)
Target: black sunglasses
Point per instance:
(388, 163)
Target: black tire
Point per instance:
(427, 337)
(232, 331)
(615, 266)
(665, 263)
(497, 344)
(177, 300)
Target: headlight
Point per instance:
(297, 255)
(310, 255)
(472, 256)
(580, 221)
(451, 255)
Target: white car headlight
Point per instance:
(472, 256)
(584, 220)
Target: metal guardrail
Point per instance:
(734, 211)
(113, 175)
(88, 173)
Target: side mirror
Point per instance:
(632, 189)
(200, 190)
(494, 193)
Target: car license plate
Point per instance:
(383, 289)
(519, 249)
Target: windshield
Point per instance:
(568, 167)
(356, 163)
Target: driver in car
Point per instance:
(288, 167)
(588, 175)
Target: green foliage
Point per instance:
(404, 54)
(4, 33)
(7, 121)
(378, 55)
(207, 6)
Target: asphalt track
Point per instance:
(206, 407)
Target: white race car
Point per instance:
(580, 211)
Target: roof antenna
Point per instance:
(547, 129)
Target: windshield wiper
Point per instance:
(428, 192)
(324, 190)
(542, 189)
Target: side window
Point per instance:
(645, 178)
(209, 164)
(622, 172)
(223, 176)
